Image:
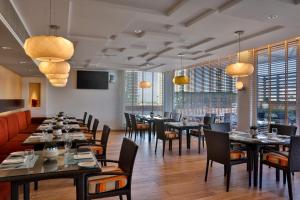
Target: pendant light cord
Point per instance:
(50, 16)
(239, 54)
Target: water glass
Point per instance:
(274, 132)
(67, 128)
(29, 153)
(68, 145)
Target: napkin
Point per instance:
(83, 156)
(35, 136)
(13, 161)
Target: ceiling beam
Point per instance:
(199, 17)
(175, 7)
(228, 4)
(200, 42)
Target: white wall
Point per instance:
(106, 105)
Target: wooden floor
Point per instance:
(176, 177)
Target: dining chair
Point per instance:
(219, 151)
(82, 121)
(166, 114)
(128, 128)
(87, 128)
(164, 135)
(97, 146)
(221, 127)
(113, 180)
(92, 134)
(288, 162)
(138, 127)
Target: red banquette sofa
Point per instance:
(14, 129)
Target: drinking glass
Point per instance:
(67, 128)
(68, 145)
(29, 153)
(274, 132)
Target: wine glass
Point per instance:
(274, 132)
(68, 145)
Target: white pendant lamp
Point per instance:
(49, 48)
(54, 68)
(181, 79)
(239, 69)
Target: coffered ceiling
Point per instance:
(149, 34)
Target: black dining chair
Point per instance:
(221, 127)
(87, 129)
(113, 180)
(283, 129)
(139, 127)
(166, 114)
(97, 146)
(91, 135)
(128, 128)
(219, 151)
(288, 162)
(82, 121)
(164, 136)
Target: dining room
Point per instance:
(146, 100)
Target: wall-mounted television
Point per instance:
(92, 80)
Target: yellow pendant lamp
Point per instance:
(239, 69)
(49, 48)
(54, 68)
(181, 79)
(58, 81)
(145, 84)
(58, 85)
(57, 76)
(239, 85)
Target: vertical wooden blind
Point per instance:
(276, 83)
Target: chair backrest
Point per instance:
(95, 128)
(160, 129)
(166, 114)
(133, 121)
(104, 137)
(89, 122)
(176, 116)
(218, 146)
(127, 118)
(84, 117)
(221, 127)
(294, 153)
(283, 129)
(207, 120)
(127, 156)
(227, 117)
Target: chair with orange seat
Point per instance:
(139, 127)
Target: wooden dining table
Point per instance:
(254, 145)
(62, 166)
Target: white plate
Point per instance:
(17, 153)
(87, 164)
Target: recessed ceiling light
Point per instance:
(5, 48)
(22, 62)
(138, 31)
(180, 54)
(271, 17)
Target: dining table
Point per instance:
(254, 145)
(41, 167)
(184, 126)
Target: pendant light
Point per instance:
(181, 79)
(239, 69)
(49, 48)
(145, 84)
(54, 68)
(239, 85)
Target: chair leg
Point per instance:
(277, 175)
(289, 180)
(164, 144)
(228, 177)
(121, 198)
(156, 145)
(170, 144)
(284, 177)
(260, 174)
(203, 142)
(128, 195)
(225, 170)
(199, 144)
(36, 185)
(126, 129)
(211, 163)
(206, 171)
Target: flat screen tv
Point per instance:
(92, 80)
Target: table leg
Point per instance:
(26, 191)
(188, 139)
(14, 191)
(149, 131)
(255, 152)
(80, 188)
(180, 140)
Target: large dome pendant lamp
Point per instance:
(49, 48)
(239, 69)
(181, 79)
(144, 85)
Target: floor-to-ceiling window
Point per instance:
(210, 90)
(276, 83)
(138, 100)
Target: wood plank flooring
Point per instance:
(176, 177)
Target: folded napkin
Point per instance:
(83, 156)
(13, 161)
(37, 134)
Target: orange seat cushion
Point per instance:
(12, 125)
(276, 159)
(237, 155)
(97, 149)
(142, 126)
(100, 184)
(28, 117)
(22, 121)
(171, 134)
(3, 131)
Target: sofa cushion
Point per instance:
(11, 146)
(22, 120)
(20, 138)
(12, 125)
(5, 191)
(3, 131)
(28, 117)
